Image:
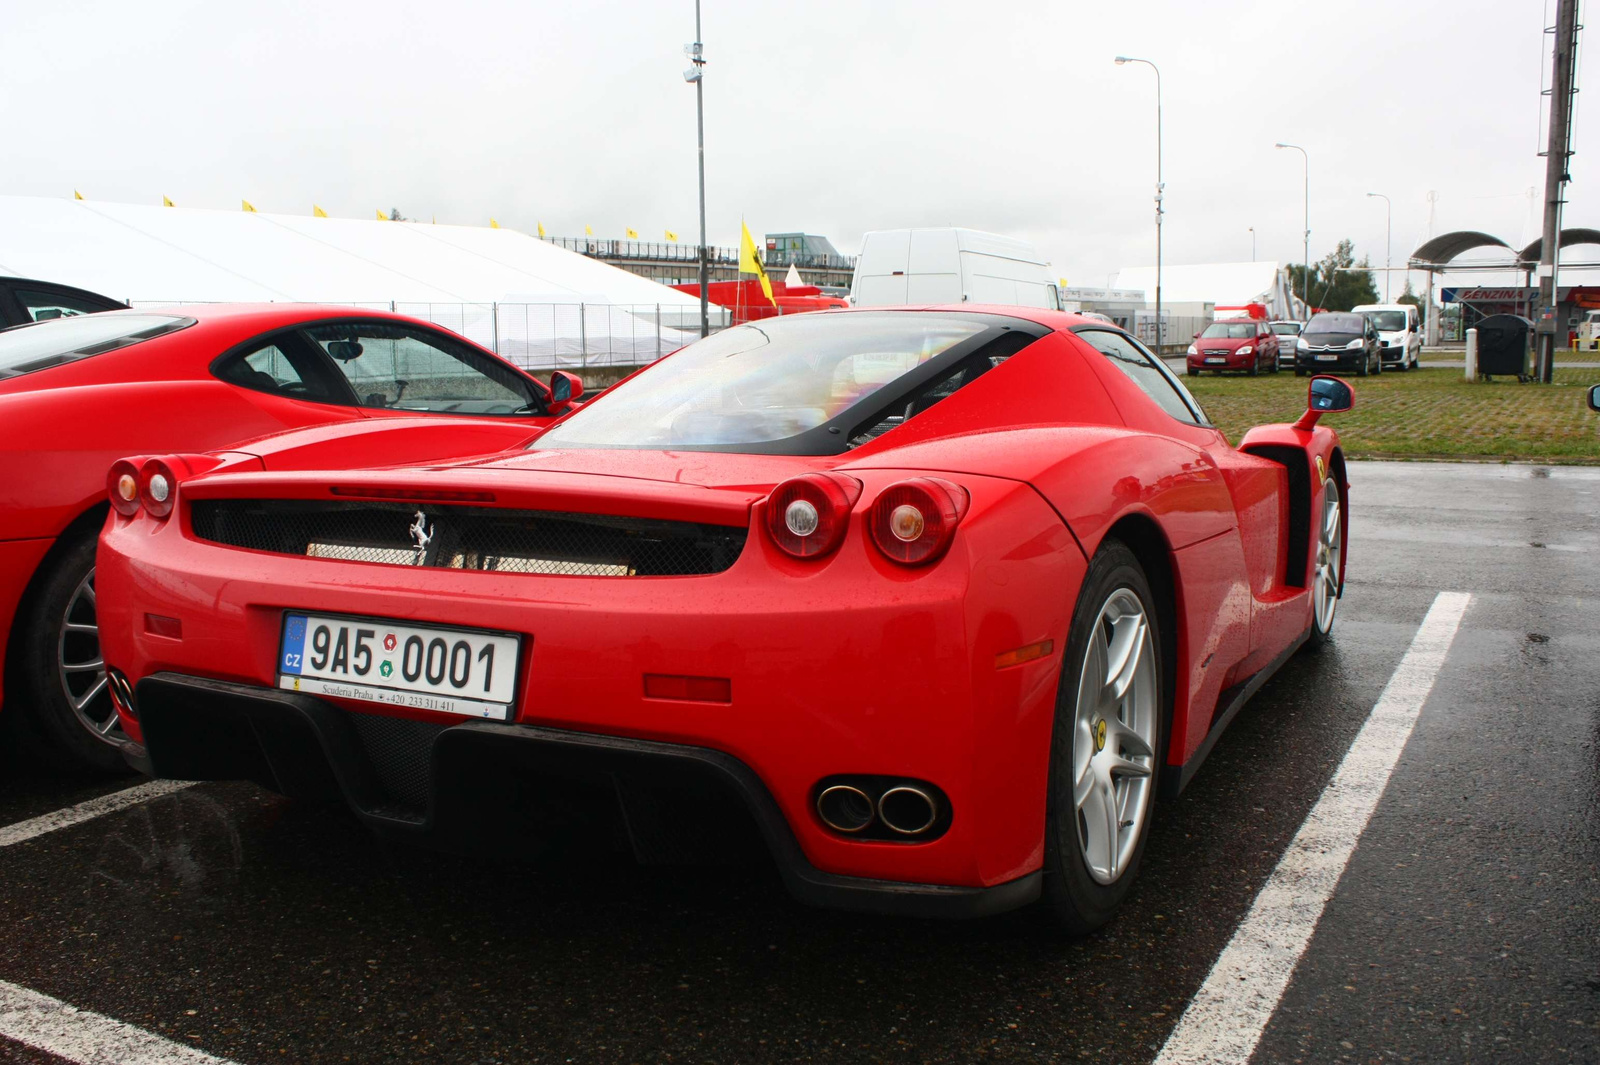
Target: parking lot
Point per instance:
(1465, 927)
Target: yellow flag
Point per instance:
(588, 231)
(493, 224)
(165, 202)
(244, 205)
(381, 216)
(750, 260)
(672, 236)
(76, 195)
(317, 212)
(541, 230)
(633, 234)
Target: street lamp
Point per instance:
(1252, 243)
(1388, 228)
(1306, 160)
(696, 76)
(1160, 187)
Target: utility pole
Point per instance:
(1305, 159)
(1160, 189)
(696, 74)
(1557, 150)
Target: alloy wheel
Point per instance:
(81, 669)
(1330, 542)
(1114, 736)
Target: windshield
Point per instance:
(763, 382)
(1388, 321)
(1229, 331)
(1286, 329)
(57, 341)
(1335, 323)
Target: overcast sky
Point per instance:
(828, 117)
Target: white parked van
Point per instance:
(1399, 332)
(901, 267)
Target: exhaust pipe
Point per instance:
(844, 808)
(908, 810)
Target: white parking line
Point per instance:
(1225, 1019)
(84, 811)
(87, 1038)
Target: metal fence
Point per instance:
(664, 251)
(568, 336)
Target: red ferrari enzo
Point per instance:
(935, 599)
(77, 392)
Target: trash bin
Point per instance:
(1503, 346)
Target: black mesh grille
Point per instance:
(478, 538)
(399, 751)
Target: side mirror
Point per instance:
(564, 388)
(1326, 395)
(1594, 397)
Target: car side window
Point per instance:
(283, 368)
(1146, 371)
(42, 306)
(399, 367)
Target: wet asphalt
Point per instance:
(1466, 928)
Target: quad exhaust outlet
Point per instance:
(882, 808)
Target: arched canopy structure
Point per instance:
(1441, 249)
(1569, 237)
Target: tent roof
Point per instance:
(1447, 246)
(1568, 237)
(1227, 284)
(146, 254)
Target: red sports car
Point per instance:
(936, 598)
(78, 392)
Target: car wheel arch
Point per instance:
(1143, 535)
(86, 523)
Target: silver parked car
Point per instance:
(1288, 333)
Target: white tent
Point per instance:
(538, 303)
(1222, 284)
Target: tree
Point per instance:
(396, 216)
(1338, 282)
(1410, 296)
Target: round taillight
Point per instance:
(122, 485)
(158, 488)
(807, 516)
(914, 521)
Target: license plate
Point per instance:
(425, 667)
(1327, 358)
(1216, 358)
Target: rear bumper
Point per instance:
(483, 778)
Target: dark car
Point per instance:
(1234, 344)
(1338, 342)
(23, 300)
(1288, 334)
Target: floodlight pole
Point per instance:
(1160, 188)
(1306, 161)
(1388, 243)
(696, 74)
(1252, 243)
(1558, 149)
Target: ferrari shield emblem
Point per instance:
(1100, 735)
(1322, 469)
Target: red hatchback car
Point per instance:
(933, 599)
(1241, 344)
(78, 392)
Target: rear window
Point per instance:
(1286, 329)
(55, 342)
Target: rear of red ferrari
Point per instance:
(859, 664)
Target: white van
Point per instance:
(1399, 332)
(909, 267)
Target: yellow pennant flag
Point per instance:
(541, 230)
(381, 216)
(750, 261)
(672, 236)
(317, 212)
(244, 205)
(165, 202)
(76, 195)
(633, 234)
(493, 224)
(588, 231)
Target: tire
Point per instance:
(1192, 372)
(1377, 366)
(1255, 368)
(1327, 576)
(1299, 371)
(42, 689)
(1108, 773)
(1276, 366)
(1365, 367)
